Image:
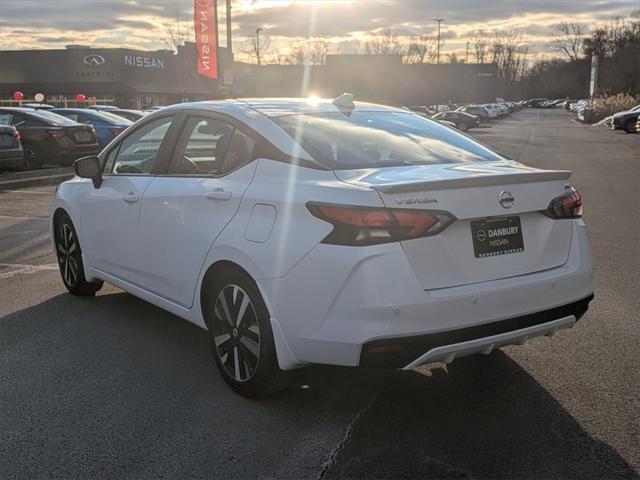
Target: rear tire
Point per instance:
(32, 158)
(241, 337)
(463, 127)
(70, 258)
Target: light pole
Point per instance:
(229, 41)
(439, 20)
(466, 58)
(258, 30)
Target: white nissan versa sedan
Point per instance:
(332, 232)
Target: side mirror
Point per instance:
(89, 167)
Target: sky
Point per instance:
(345, 24)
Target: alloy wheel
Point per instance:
(67, 246)
(236, 333)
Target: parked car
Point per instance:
(626, 120)
(317, 233)
(132, 115)
(107, 125)
(447, 123)
(11, 152)
(463, 121)
(535, 102)
(48, 137)
(478, 110)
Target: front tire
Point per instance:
(70, 258)
(241, 337)
(630, 126)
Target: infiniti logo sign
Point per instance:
(506, 199)
(94, 60)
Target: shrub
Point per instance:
(605, 106)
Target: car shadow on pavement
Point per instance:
(479, 417)
(113, 386)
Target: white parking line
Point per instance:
(21, 269)
(33, 192)
(15, 217)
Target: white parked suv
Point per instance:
(332, 232)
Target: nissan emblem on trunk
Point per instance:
(506, 199)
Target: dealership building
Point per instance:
(141, 79)
(126, 77)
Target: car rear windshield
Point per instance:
(110, 118)
(52, 118)
(377, 139)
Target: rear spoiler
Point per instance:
(474, 181)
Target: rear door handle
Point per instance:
(131, 198)
(219, 194)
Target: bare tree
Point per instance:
(257, 47)
(319, 49)
(297, 54)
(569, 40)
(422, 49)
(480, 46)
(385, 44)
(507, 50)
(309, 52)
(453, 58)
(177, 32)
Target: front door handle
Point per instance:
(219, 194)
(131, 198)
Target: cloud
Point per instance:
(140, 23)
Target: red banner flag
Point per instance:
(206, 31)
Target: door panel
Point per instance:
(110, 217)
(111, 213)
(180, 219)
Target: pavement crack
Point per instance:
(333, 456)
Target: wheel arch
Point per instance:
(286, 359)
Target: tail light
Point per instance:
(567, 205)
(116, 130)
(57, 133)
(359, 226)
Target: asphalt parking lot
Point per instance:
(114, 387)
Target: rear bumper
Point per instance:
(410, 352)
(338, 300)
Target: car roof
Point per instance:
(277, 107)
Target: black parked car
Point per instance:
(11, 153)
(626, 120)
(48, 137)
(463, 121)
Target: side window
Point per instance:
(6, 118)
(139, 150)
(239, 152)
(108, 164)
(202, 147)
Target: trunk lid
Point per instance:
(472, 193)
(82, 134)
